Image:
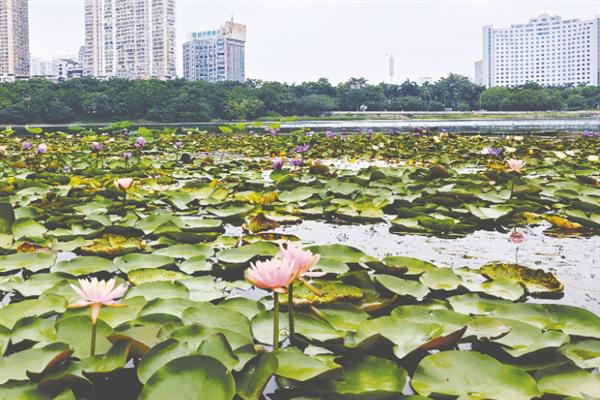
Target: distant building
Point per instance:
(57, 70)
(425, 79)
(67, 68)
(14, 39)
(547, 50)
(133, 39)
(479, 72)
(41, 67)
(217, 55)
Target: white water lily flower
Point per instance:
(510, 149)
(96, 294)
(593, 158)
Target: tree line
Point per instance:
(89, 100)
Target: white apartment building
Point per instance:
(547, 50)
(216, 55)
(58, 69)
(133, 39)
(14, 39)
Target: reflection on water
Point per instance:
(498, 126)
(574, 260)
(473, 126)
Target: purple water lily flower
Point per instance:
(494, 151)
(140, 142)
(127, 155)
(330, 134)
(277, 163)
(302, 148)
(296, 162)
(178, 145)
(27, 146)
(66, 168)
(125, 133)
(97, 146)
(42, 148)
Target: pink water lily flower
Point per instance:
(96, 294)
(516, 237)
(124, 184)
(515, 164)
(302, 261)
(274, 274)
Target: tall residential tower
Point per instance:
(547, 50)
(217, 55)
(14, 39)
(133, 39)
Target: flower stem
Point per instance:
(291, 313)
(275, 321)
(93, 341)
(124, 202)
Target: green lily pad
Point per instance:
(471, 375)
(161, 289)
(536, 281)
(569, 319)
(342, 253)
(584, 353)
(30, 261)
(110, 245)
(47, 304)
(568, 381)
(441, 279)
(247, 253)
(256, 374)
(145, 275)
(84, 265)
(295, 365)
(403, 287)
(370, 378)
(328, 292)
(25, 227)
(185, 251)
(524, 338)
(130, 262)
(77, 331)
(22, 391)
(199, 377)
(405, 338)
(407, 265)
(34, 360)
(158, 356)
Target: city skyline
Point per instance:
(329, 46)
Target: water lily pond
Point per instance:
(150, 263)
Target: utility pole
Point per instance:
(391, 65)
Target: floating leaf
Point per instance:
(471, 375)
(536, 281)
(199, 377)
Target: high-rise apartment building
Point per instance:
(133, 39)
(217, 55)
(547, 50)
(14, 39)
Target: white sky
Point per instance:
(301, 40)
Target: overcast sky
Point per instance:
(303, 40)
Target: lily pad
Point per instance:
(111, 245)
(199, 377)
(471, 375)
(536, 281)
(247, 253)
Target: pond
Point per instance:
(543, 126)
(413, 266)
